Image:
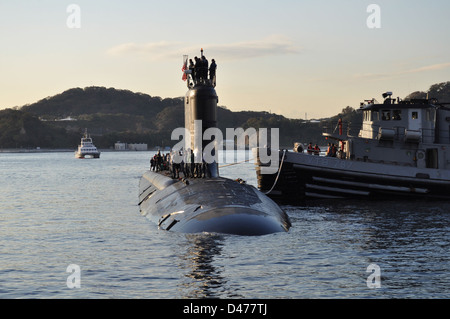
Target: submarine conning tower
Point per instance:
(206, 203)
(200, 104)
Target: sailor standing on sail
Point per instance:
(197, 68)
(192, 68)
(204, 71)
(212, 72)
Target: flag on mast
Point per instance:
(184, 68)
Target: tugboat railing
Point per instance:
(426, 135)
(347, 128)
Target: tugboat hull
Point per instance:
(302, 176)
(401, 151)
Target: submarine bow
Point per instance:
(208, 202)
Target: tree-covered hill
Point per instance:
(439, 91)
(19, 129)
(99, 100)
(111, 115)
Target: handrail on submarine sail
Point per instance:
(278, 175)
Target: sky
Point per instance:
(298, 58)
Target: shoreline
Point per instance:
(22, 150)
(61, 150)
(73, 150)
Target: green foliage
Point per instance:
(19, 129)
(112, 115)
(439, 91)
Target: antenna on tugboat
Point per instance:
(387, 94)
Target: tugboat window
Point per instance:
(430, 115)
(415, 115)
(374, 115)
(367, 116)
(397, 115)
(386, 115)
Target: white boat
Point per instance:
(87, 148)
(401, 151)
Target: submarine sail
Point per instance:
(204, 201)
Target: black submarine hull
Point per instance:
(214, 205)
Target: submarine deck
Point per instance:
(208, 205)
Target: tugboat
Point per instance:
(402, 151)
(87, 148)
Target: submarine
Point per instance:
(211, 204)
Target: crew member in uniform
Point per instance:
(316, 150)
(212, 72)
(310, 149)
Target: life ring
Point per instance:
(420, 155)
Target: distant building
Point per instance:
(120, 146)
(137, 147)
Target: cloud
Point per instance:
(433, 67)
(269, 46)
(154, 51)
(372, 76)
(379, 76)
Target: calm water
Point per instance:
(56, 211)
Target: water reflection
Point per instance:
(203, 279)
(407, 239)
